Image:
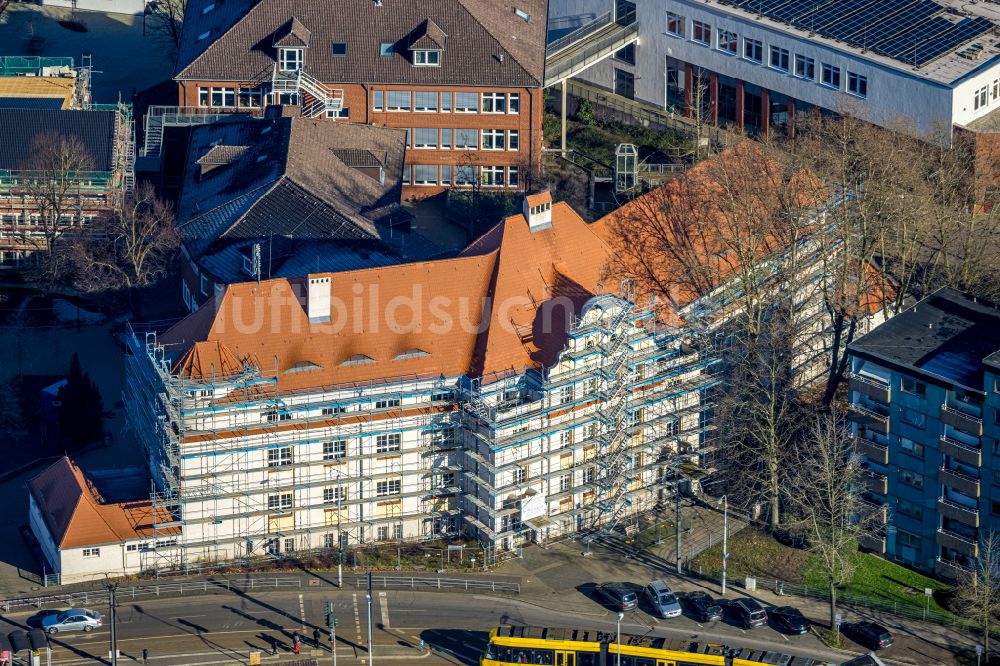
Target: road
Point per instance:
(223, 629)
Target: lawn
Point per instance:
(756, 553)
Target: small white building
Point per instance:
(81, 536)
(133, 7)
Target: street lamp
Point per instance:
(368, 598)
(112, 602)
(618, 657)
(725, 533)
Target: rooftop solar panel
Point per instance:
(796, 12)
(871, 15)
(870, 35)
(966, 30)
(833, 13)
(904, 45)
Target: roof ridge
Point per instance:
(497, 41)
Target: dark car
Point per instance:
(618, 596)
(790, 620)
(747, 613)
(868, 634)
(702, 607)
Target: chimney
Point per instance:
(537, 210)
(318, 299)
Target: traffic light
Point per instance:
(331, 621)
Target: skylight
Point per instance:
(411, 353)
(204, 35)
(208, 8)
(338, 49)
(521, 14)
(261, 158)
(358, 359)
(386, 49)
(265, 130)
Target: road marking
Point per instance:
(302, 612)
(357, 616)
(383, 604)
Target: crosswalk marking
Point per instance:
(383, 603)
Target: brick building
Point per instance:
(464, 77)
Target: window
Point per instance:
(857, 84)
(202, 96)
(907, 539)
(427, 58)
(675, 25)
(465, 175)
(980, 98)
(398, 100)
(387, 443)
(391, 487)
(250, 98)
(383, 533)
(805, 68)
(224, 97)
(702, 33)
(335, 450)
(626, 55)
(514, 103)
(425, 137)
(406, 174)
(588, 475)
(912, 386)
(277, 416)
(425, 174)
(915, 449)
(343, 113)
(831, 76)
(753, 49)
(386, 49)
(466, 139)
(280, 502)
(445, 138)
(425, 101)
(995, 508)
(911, 417)
(565, 483)
(466, 102)
(330, 411)
(727, 41)
(279, 457)
(513, 177)
(290, 60)
(492, 176)
(338, 49)
(377, 100)
(566, 437)
(446, 102)
(446, 174)
(493, 139)
(519, 475)
(779, 58)
(333, 495)
(494, 103)
(91, 552)
(911, 478)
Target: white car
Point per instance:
(662, 599)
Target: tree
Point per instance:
(824, 496)
(164, 21)
(51, 183)
(978, 592)
(12, 424)
(81, 410)
(132, 248)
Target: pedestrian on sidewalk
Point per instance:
(295, 644)
(317, 637)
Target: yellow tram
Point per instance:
(511, 645)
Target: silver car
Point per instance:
(662, 599)
(74, 619)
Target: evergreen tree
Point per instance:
(81, 410)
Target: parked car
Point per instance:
(748, 613)
(74, 619)
(662, 599)
(869, 634)
(790, 620)
(618, 596)
(702, 607)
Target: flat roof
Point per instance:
(938, 40)
(948, 334)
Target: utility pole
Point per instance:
(331, 622)
(368, 597)
(725, 534)
(112, 602)
(677, 529)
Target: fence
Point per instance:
(20, 65)
(419, 583)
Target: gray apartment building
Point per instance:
(925, 411)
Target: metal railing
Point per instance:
(559, 68)
(870, 381)
(428, 583)
(578, 34)
(958, 411)
(21, 65)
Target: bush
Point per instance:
(585, 112)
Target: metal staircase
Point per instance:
(321, 99)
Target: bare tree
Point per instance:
(52, 185)
(824, 496)
(164, 21)
(131, 248)
(12, 424)
(978, 592)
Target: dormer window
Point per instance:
(290, 60)
(428, 58)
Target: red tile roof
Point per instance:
(77, 516)
(411, 319)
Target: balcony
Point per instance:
(875, 482)
(874, 543)
(873, 388)
(962, 452)
(879, 512)
(963, 483)
(949, 569)
(875, 452)
(877, 421)
(964, 421)
(956, 511)
(958, 543)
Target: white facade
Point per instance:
(931, 99)
(134, 7)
